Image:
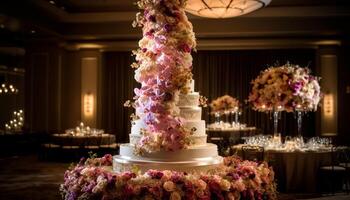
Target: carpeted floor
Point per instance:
(24, 177)
(27, 178)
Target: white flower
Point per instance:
(225, 185)
(201, 184)
(175, 196)
(169, 186)
(101, 184)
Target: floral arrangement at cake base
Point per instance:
(93, 178)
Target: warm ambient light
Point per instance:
(17, 121)
(88, 104)
(89, 46)
(223, 8)
(8, 89)
(328, 105)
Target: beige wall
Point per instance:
(89, 88)
(81, 77)
(328, 66)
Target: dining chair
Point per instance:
(253, 153)
(221, 142)
(333, 174)
(92, 143)
(107, 145)
(114, 148)
(344, 161)
(48, 151)
(69, 148)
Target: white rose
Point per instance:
(175, 196)
(166, 175)
(100, 179)
(225, 185)
(169, 186)
(101, 184)
(202, 185)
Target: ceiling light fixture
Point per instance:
(223, 8)
(52, 2)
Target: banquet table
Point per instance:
(81, 140)
(296, 171)
(227, 137)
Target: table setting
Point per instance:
(83, 135)
(290, 144)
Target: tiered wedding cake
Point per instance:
(167, 131)
(199, 156)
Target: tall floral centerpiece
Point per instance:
(287, 88)
(224, 105)
(163, 68)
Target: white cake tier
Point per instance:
(184, 155)
(136, 127)
(196, 140)
(199, 166)
(199, 136)
(191, 113)
(199, 126)
(190, 99)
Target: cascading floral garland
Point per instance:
(163, 67)
(234, 179)
(288, 87)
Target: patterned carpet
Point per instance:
(27, 178)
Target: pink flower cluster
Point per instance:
(163, 67)
(288, 87)
(234, 179)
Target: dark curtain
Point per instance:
(117, 83)
(216, 73)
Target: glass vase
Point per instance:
(299, 123)
(236, 117)
(227, 116)
(276, 116)
(217, 118)
(232, 116)
(277, 139)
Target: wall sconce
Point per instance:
(88, 104)
(328, 105)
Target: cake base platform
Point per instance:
(199, 165)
